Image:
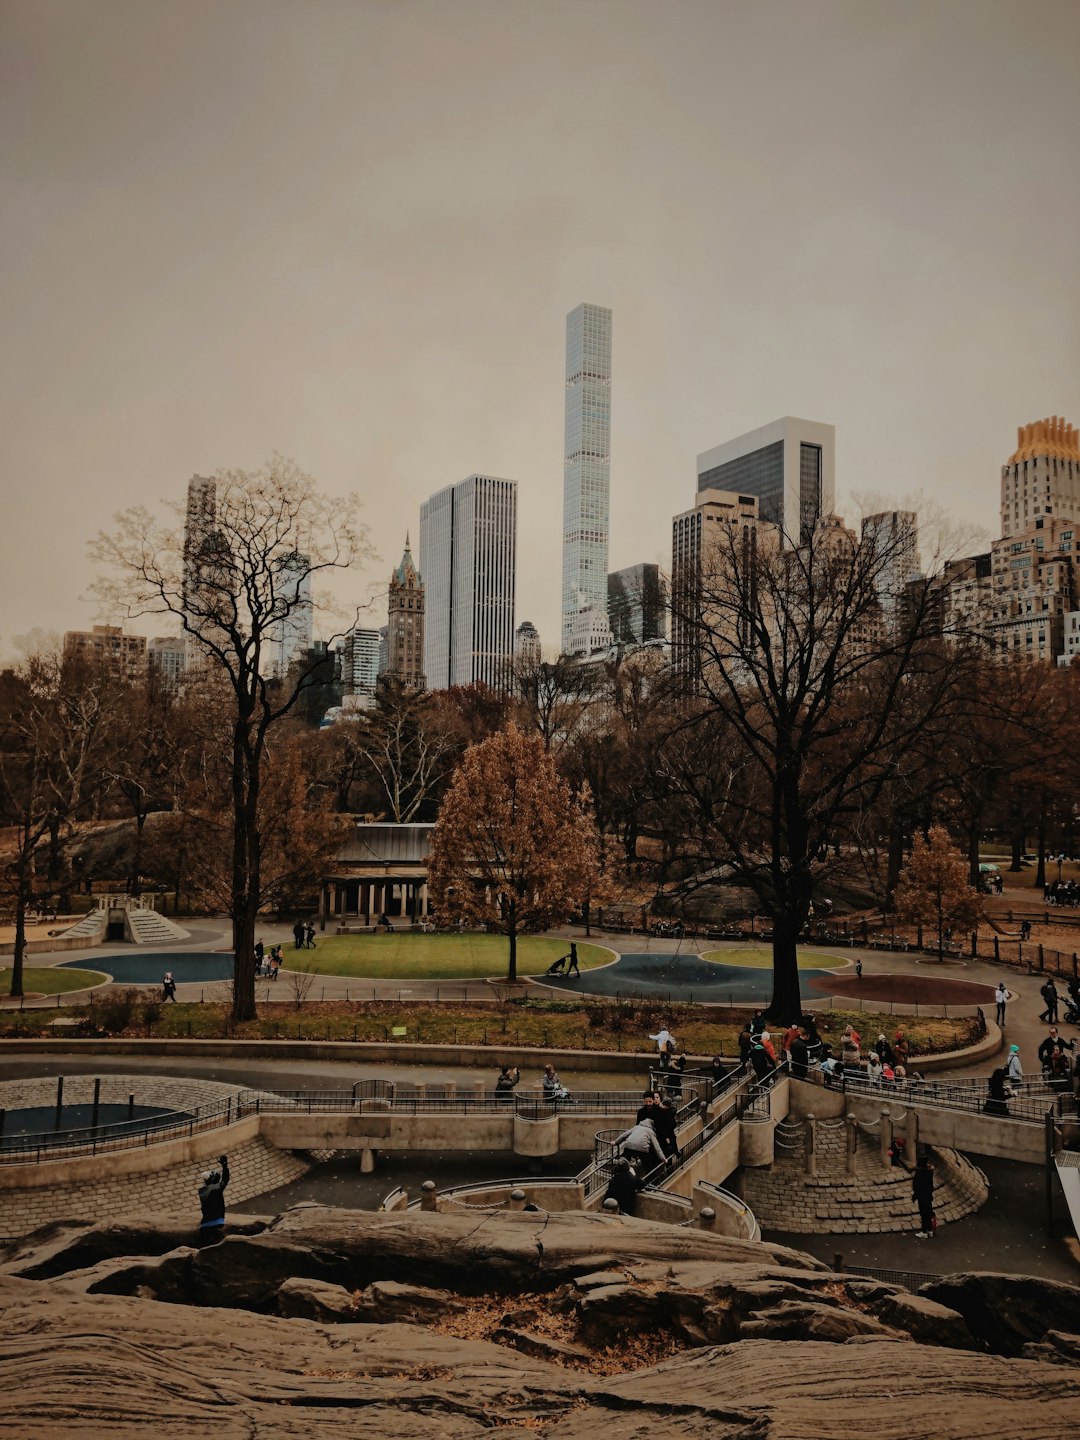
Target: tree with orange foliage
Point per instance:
(934, 888)
(514, 848)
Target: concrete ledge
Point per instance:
(639, 1062)
(143, 1160)
(58, 942)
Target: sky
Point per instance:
(350, 231)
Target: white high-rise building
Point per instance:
(468, 557)
(894, 536)
(293, 634)
(360, 662)
(789, 466)
(587, 465)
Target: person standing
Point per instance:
(309, 935)
(509, 1076)
(168, 987)
(298, 935)
(858, 968)
(922, 1192)
(1001, 997)
(212, 1204)
(260, 955)
(1049, 993)
(1013, 1067)
(997, 1093)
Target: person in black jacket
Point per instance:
(997, 1093)
(664, 1118)
(623, 1186)
(922, 1192)
(212, 1203)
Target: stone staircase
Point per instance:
(874, 1200)
(90, 928)
(147, 927)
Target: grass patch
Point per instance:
(47, 980)
(438, 957)
(760, 957)
(569, 1025)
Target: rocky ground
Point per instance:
(324, 1322)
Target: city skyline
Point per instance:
(397, 237)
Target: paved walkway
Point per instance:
(209, 936)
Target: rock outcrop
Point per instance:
(448, 1325)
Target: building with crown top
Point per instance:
(1042, 477)
(405, 624)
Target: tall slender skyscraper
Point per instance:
(468, 557)
(587, 464)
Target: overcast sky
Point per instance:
(350, 231)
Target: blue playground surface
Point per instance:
(127, 969)
(677, 977)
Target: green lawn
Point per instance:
(436, 957)
(760, 958)
(47, 980)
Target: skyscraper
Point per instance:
(587, 464)
(468, 557)
(292, 635)
(788, 465)
(1042, 477)
(637, 605)
(714, 555)
(405, 631)
(360, 662)
(892, 539)
(527, 644)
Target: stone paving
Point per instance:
(874, 1200)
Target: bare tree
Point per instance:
(238, 579)
(817, 666)
(54, 722)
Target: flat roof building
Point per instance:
(468, 557)
(788, 465)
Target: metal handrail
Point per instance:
(122, 1135)
(920, 1092)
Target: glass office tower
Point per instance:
(587, 464)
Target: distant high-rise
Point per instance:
(166, 660)
(587, 464)
(714, 553)
(637, 605)
(405, 632)
(360, 662)
(788, 465)
(894, 536)
(1042, 477)
(106, 647)
(202, 576)
(527, 644)
(292, 635)
(468, 557)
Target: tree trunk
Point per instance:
(1040, 871)
(1016, 863)
(894, 865)
(511, 973)
(785, 1007)
(20, 942)
(974, 831)
(245, 878)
